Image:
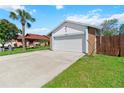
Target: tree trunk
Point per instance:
(23, 37)
(3, 47)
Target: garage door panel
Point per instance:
(68, 43)
(68, 37)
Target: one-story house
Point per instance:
(32, 40)
(74, 36)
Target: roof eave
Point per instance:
(68, 21)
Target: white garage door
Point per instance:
(72, 43)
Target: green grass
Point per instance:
(99, 71)
(20, 50)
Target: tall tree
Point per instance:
(8, 31)
(25, 19)
(121, 29)
(110, 27)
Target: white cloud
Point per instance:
(15, 7)
(94, 11)
(120, 17)
(11, 7)
(42, 31)
(95, 18)
(32, 11)
(58, 7)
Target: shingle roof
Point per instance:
(34, 36)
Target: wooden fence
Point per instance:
(110, 45)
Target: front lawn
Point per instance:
(20, 50)
(95, 72)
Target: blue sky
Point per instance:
(49, 16)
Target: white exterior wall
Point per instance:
(71, 29)
(86, 40)
(77, 35)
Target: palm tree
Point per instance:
(25, 19)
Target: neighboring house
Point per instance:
(9, 43)
(74, 36)
(33, 40)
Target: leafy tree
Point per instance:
(25, 19)
(8, 31)
(121, 29)
(110, 27)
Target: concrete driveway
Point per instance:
(34, 69)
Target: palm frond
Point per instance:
(29, 17)
(13, 15)
(33, 20)
(28, 25)
(20, 12)
(24, 17)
